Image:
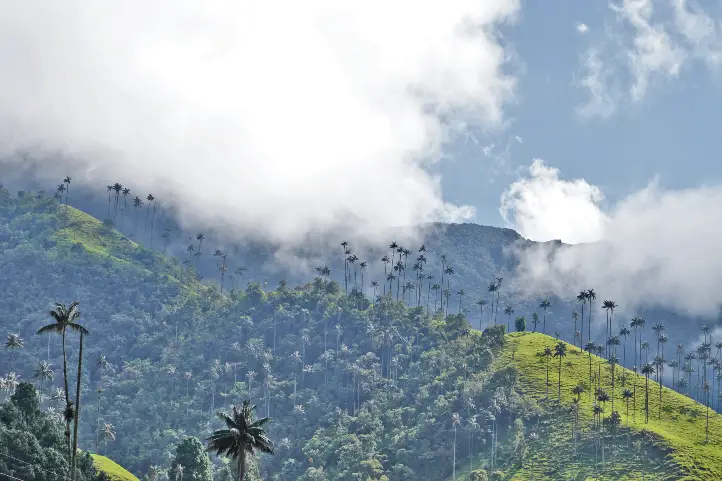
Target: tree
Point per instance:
(108, 434)
(547, 354)
(243, 436)
(624, 332)
(591, 296)
(535, 320)
(544, 305)
(455, 421)
(520, 324)
(508, 311)
(560, 351)
(83, 331)
(647, 370)
(190, 454)
(575, 316)
(137, 205)
(582, 299)
(65, 318)
(481, 303)
(609, 307)
(43, 372)
(627, 395)
(13, 342)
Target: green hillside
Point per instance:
(357, 388)
(112, 469)
(676, 427)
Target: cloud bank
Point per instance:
(277, 118)
(656, 247)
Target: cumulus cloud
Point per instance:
(649, 43)
(277, 118)
(582, 28)
(656, 247)
(543, 207)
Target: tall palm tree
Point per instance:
(575, 316)
(627, 395)
(150, 200)
(609, 307)
(117, 188)
(386, 261)
(13, 343)
(560, 351)
(547, 354)
(43, 372)
(461, 293)
(481, 303)
(64, 318)
(243, 436)
(544, 305)
(591, 296)
(102, 364)
(455, 421)
(582, 299)
(108, 434)
(647, 370)
(83, 331)
(126, 193)
(499, 281)
(624, 332)
(137, 205)
(509, 312)
(491, 288)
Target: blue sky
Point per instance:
(672, 131)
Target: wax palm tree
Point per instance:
(243, 436)
(137, 205)
(547, 354)
(43, 372)
(508, 311)
(706, 389)
(582, 299)
(126, 193)
(544, 305)
(455, 421)
(117, 188)
(65, 318)
(461, 295)
(499, 281)
(624, 332)
(386, 261)
(481, 303)
(491, 288)
(627, 395)
(150, 200)
(647, 370)
(560, 351)
(362, 267)
(110, 191)
(535, 320)
(108, 434)
(165, 235)
(76, 419)
(609, 307)
(603, 397)
(13, 343)
(102, 365)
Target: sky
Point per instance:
(582, 105)
(585, 121)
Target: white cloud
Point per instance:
(656, 247)
(543, 207)
(582, 28)
(598, 81)
(650, 42)
(281, 118)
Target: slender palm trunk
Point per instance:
(67, 400)
(242, 465)
(77, 406)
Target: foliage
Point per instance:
(191, 459)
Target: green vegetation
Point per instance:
(114, 471)
(374, 383)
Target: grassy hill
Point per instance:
(115, 471)
(674, 436)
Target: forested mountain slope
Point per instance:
(357, 388)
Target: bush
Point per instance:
(520, 324)
(497, 476)
(479, 475)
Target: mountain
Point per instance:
(357, 388)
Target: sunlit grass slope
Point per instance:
(676, 428)
(115, 471)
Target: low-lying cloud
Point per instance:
(277, 118)
(656, 247)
